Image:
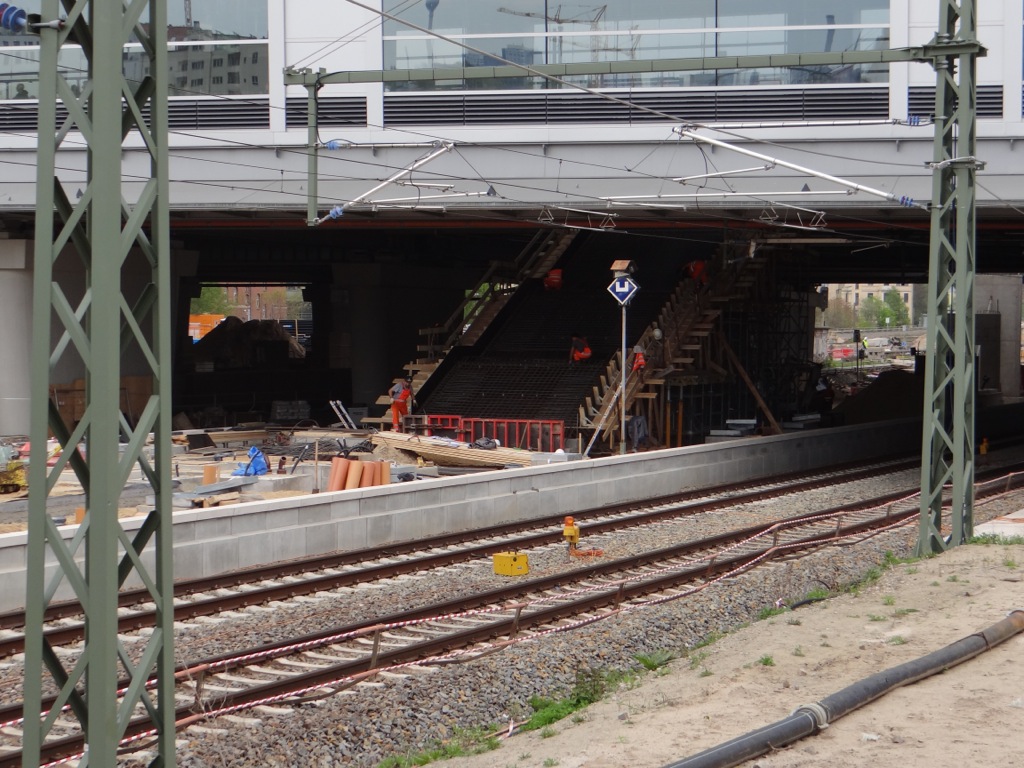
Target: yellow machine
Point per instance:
(511, 564)
(571, 534)
(13, 477)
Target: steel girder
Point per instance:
(91, 242)
(947, 453)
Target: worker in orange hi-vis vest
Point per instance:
(401, 394)
(639, 362)
(579, 350)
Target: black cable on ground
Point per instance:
(811, 718)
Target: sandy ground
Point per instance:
(970, 715)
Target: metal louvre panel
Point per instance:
(218, 113)
(921, 100)
(331, 110)
(585, 108)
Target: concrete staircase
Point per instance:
(471, 319)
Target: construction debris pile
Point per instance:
(238, 344)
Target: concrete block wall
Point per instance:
(219, 539)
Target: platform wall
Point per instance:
(216, 540)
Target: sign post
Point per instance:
(623, 288)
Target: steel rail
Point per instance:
(622, 516)
(511, 626)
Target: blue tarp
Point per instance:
(257, 464)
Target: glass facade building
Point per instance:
(218, 48)
(534, 32)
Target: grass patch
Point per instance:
(589, 688)
(989, 539)
(766, 661)
(470, 741)
(888, 600)
(767, 613)
(903, 612)
(798, 651)
(874, 617)
(897, 640)
(655, 660)
(696, 659)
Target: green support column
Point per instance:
(81, 314)
(947, 453)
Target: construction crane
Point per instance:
(557, 18)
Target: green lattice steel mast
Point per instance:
(947, 454)
(89, 241)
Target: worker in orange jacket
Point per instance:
(639, 362)
(401, 394)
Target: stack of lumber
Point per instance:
(452, 453)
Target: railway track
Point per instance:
(325, 663)
(283, 581)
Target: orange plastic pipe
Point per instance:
(346, 467)
(369, 474)
(385, 473)
(333, 476)
(355, 471)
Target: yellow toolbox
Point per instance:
(511, 564)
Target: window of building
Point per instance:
(539, 32)
(233, 78)
(198, 65)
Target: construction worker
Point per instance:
(401, 394)
(698, 271)
(579, 350)
(639, 362)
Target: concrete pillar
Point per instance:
(1001, 294)
(15, 319)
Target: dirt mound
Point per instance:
(237, 344)
(892, 395)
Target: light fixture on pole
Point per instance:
(623, 288)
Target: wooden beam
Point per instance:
(776, 429)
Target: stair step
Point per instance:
(421, 367)
(645, 395)
(692, 347)
(682, 360)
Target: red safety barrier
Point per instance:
(445, 425)
(530, 434)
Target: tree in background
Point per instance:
(896, 310)
(888, 313)
(871, 313)
(839, 314)
(212, 300)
